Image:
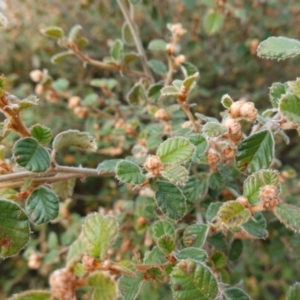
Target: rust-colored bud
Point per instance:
(234, 110)
(90, 263)
(269, 196)
(228, 154)
(74, 101)
(161, 115)
(213, 157)
(51, 96)
(179, 60)
(248, 111)
(81, 112)
(36, 75)
(154, 165)
(39, 89)
(34, 261)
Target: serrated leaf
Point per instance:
(233, 214)
(30, 155)
(100, 232)
(195, 235)
(189, 82)
(293, 292)
(58, 57)
(255, 152)
(157, 45)
(27, 102)
(137, 96)
(73, 34)
(236, 250)
(226, 101)
(42, 205)
(41, 133)
(166, 243)
(154, 257)
(155, 273)
(256, 181)
(234, 293)
(176, 174)
(189, 69)
(117, 50)
(256, 226)
(161, 228)
(193, 281)
(64, 189)
(212, 129)
(157, 66)
(200, 142)
(170, 200)
(54, 32)
(126, 35)
(195, 254)
(213, 22)
(14, 233)
(105, 287)
(32, 295)
(129, 172)
(108, 165)
(75, 138)
(289, 215)
(289, 106)
(195, 188)
(75, 251)
(175, 150)
(212, 211)
(218, 259)
(295, 87)
(130, 287)
(170, 91)
(278, 48)
(277, 90)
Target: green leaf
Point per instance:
(73, 34)
(130, 287)
(166, 243)
(129, 58)
(295, 87)
(42, 205)
(176, 174)
(233, 214)
(278, 48)
(189, 82)
(32, 295)
(157, 45)
(193, 281)
(100, 232)
(289, 106)
(90, 100)
(213, 22)
(226, 101)
(277, 90)
(108, 165)
(256, 181)
(154, 257)
(255, 152)
(54, 32)
(30, 155)
(61, 84)
(75, 138)
(41, 133)
(236, 250)
(129, 172)
(195, 188)
(105, 288)
(188, 69)
(153, 91)
(116, 51)
(108, 83)
(289, 215)
(293, 292)
(3, 84)
(256, 226)
(195, 254)
(161, 228)
(155, 273)
(170, 91)
(234, 293)
(175, 150)
(14, 233)
(75, 251)
(195, 235)
(64, 189)
(212, 211)
(157, 66)
(218, 259)
(126, 35)
(137, 96)
(212, 129)
(170, 200)
(27, 102)
(200, 142)
(58, 57)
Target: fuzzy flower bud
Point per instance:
(36, 75)
(269, 196)
(179, 60)
(34, 261)
(161, 115)
(74, 101)
(81, 112)
(228, 154)
(39, 89)
(248, 111)
(213, 157)
(154, 165)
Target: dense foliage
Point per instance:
(123, 171)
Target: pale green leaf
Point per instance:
(213, 22)
(189, 69)
(234, 293)
(157, 45)
(64, 189)
(130, 287)
(200, 142)
(73, 34)
(195, 254)
(108, 165)
(295, 87)
(126, 35)
(193, 281)
(170, 91)
(212, 129)
(195, 235)
(75, 138)
(100, 232)
(30, 155)
(61, 84)
(41, 133)
(212, 211)
(255, 152)
(14, 233)
(289, 106)
(166, 243)
(190, 81)
(137, 96)
(42, 205)
(27, 102)
(218, 259)
(278, 48)
(277, 90)
(75, 251)
(58, 57)
(54, 32)
(294, 292)
(154, 257)
(233, 214)
(289, 215)
(157, 66)
(108, 83)
(226, 101)
(129, 172)
(176, 174)
(256, 226)
(195, 188)
(116, 51)
(175, 150)
(162, 227)
(32, 295)
(129, 58)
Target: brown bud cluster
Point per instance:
(90, 263)
(161, 115)
(245, 110)
(234, 130)
(154, 165)
(228, 154)
(213, 158)
(269, 196)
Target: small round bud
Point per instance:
(74, 101)
(228, 154)
(36, 75)
(243, 200)
(213, 157)
(170, 48)
(51, 96)
(90, 263)
(39, 89)
(253, 46)
(80, 111)
(179, 60)
(141, 221)
(269, 196)
(248, 111)
(34, 261)
(161, 115)
(234, 127)
(154, 165)
(234, 110)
